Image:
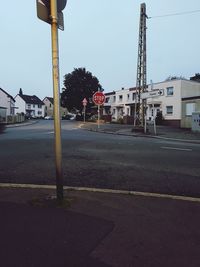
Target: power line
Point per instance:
(175, 14)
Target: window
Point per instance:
(170, 91)
(39, 105)
(133, 96)
(120, 97)
(107, 99)
(169, 110)
(29, 106)
(190, 107)
(114, 98)
(33, 106)
(128, 96)
(50, 105)
(39, 112)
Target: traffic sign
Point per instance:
(44, 12)
(98, 98)
(153, 93)
(84, 102)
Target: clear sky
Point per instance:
(100, 35)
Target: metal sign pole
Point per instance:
(154, 119)
(84, 113)
(56, 94)
(98, 116)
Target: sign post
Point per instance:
(84, 107)
(50, 11)
(98, 99)
(56, 95)
(152, 94)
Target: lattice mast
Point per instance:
(141, 82)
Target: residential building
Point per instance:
(49, 104)
(7, 105)
(30, 105)
(172, 103)
(120, 103)
(179, 99)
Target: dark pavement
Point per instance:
(97, 229)
(162, 132)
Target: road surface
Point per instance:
(99, 160)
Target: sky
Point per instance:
(100, 35)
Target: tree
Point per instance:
(170, 78)
(20, 91)
(79, 84)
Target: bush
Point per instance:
(2, 127)
(159, 118)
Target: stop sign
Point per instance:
(98, 98)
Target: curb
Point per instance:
(143, 135)
(21, 124)
(99, 190)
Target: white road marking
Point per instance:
(176, 148)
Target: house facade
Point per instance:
(120, 104)
(49, 104)
(7, 105)
(179, 99)
(29, 105)
(171, 102)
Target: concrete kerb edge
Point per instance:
(99, 190)
(21, 124)
(143, 135)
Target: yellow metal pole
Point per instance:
(56, 95)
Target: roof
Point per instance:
(191, 98)
(31, 99)
(7, 94)
(110, 93)
(50, 99)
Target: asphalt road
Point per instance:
(99, 160)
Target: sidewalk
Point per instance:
(25, 123)
(97, 230)
(162, 132)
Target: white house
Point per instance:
(120, 103)
(49, 104)
(180, 98)
(7, 105)
(171, 102)
(29, 105)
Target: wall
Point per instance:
(186, 121)
(48, 107)
(7, 102)
(20, 105)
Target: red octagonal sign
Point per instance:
(98, 98)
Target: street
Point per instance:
(92, 159)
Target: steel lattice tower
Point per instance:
(140, 105)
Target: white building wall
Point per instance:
(190, 89)
(7, 102)
(20, 105)
(167, 100)
(181, 89)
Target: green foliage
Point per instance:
(159, 118)
(20, 91)
(79, 84)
